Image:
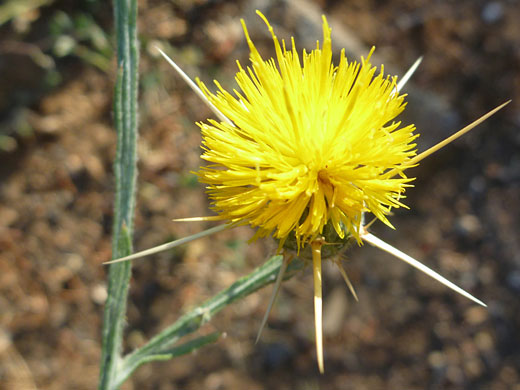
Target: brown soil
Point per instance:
(407, 331)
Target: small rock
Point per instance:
(476, 315)
(436, 360)
(99, 294)
(484, 341)
(469, 226)
(492, 12)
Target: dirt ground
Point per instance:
(407, 331)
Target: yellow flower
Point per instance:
(303, 151)
(306, 143)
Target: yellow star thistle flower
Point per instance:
(303, 151)
(304, 144)
(307, 143)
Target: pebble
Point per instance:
(513, 281)
(99, 294)
(469, 226)
(436, 360)
(484, 341)
(492, 12)
(476, 315)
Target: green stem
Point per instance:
(125, 172)
(156, 348)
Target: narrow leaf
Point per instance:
(190, 322)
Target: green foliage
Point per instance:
(14, 9)
(79, 35)
(38, 41)
(158, 348)
(125, 172)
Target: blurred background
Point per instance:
(56, 188)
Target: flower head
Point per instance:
(303, 151)
(307, 143)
